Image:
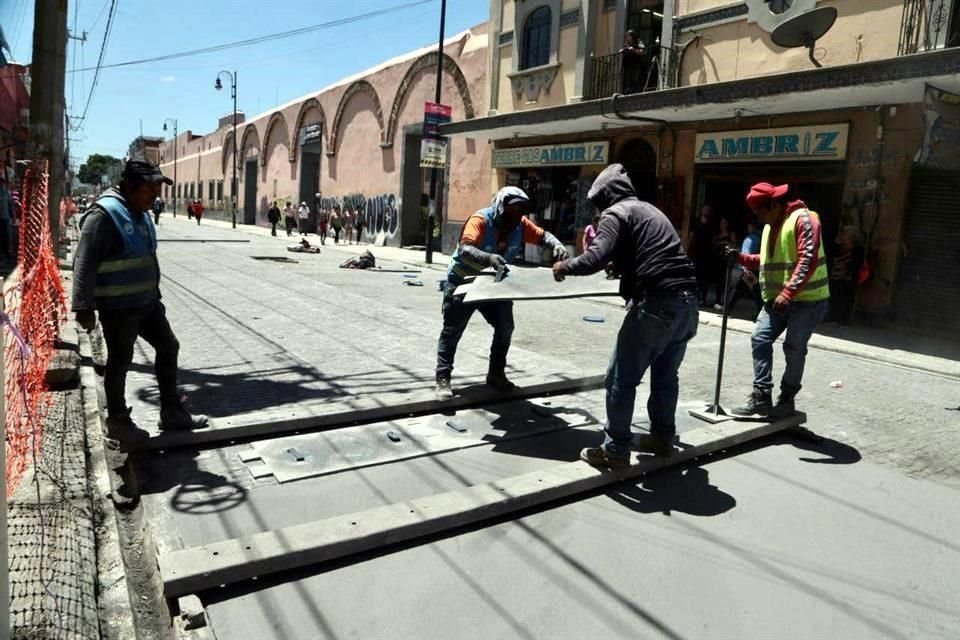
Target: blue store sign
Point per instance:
(821, 142)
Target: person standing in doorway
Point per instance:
(844, 273)
(590, 233)
(795, 289)
(658, 281)
(323, 223)
(633, 55)
(189, 209)
(723, 240)
(358, 224)
(747, 280)
(303, 213)
(336, 223)
(273, 217)
(700, 250)
(289, 218)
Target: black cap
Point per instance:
(143, 171)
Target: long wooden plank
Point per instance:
(231, 561)
(537, 284)
(356, 410)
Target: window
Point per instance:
(191, 196)
(199, 191)
(220, 190)
(179, 191)
(535, 46)
(210, 193)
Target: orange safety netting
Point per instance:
(35, 307)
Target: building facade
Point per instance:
(353, 146)
(708, 103)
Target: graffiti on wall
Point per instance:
(380, 213)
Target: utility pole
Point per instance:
(48, 71)
(434, 200)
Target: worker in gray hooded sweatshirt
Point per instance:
(491, 237)
(658, 281)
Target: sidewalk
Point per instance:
(881, 345)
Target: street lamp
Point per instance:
(174, 120)
(233, 185)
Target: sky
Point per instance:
(269, 73)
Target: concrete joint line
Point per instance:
(205, 567)
(116, 611)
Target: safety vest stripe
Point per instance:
(111, 291)
(777, 266)
(112, 266)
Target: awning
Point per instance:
(884, 82)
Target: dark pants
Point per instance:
(291, 224)
(456, 315)
(323, 233)
(359, 233)
(336, 235)
(120, 331)
(743, 290)
(653, 336)
(273, 228)
(799, 321)
(304, 225)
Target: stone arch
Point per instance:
(360, 86)
(248, 131)
(311, 103)
(275, 120)
(423, 64)
(226, 151)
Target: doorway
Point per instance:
(250, 192)
(310, 183)
(414, 185)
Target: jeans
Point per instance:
(654, 335)
(799, 321)
(120, 331)
(456, 315)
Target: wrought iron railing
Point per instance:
(608, 75)
(924, 26)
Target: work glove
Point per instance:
(560, 253)
(497, 261)
(732, 255)
(87, 320)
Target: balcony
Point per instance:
(608, 75)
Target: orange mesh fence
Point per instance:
(35, 308)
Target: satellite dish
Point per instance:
(805, 29)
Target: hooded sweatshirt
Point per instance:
(637, 237)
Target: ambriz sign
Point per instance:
(576, 153)
(821, 142)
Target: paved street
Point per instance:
(850, 538)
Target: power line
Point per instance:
(261, 39)
(96, 75)
(99, 15)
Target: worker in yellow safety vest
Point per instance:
(794, 286)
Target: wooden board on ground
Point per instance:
(537, 284)
(355, 411)
(239, 559)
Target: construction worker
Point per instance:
(795, 290)
(491, 237)
(659, 283)
(116, 272)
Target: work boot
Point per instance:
(758, 404)
(179, 419)
(499, 381)
(442, 388)
(784, 407)
(648, 443)
(598, 457)
(123, 432)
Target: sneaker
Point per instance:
(124, 431)
(784, 407)
(758, 404)
(598, 457)
(442, 389)
(659, 447)
(179, 419)
(500, 382)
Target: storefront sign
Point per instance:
(435, 115)
(822, 142)
(433, 154)
(311, 132)
(576, 153)
(941, 140)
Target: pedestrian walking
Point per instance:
(197, 210)
(700, 251)
(289, 218)
(303, 213)
(273, 217)
(336, 223)
(190, 210)
(492, 237)
(157, 209)
(323, 223)
(794, 286)
(358, 225)
(658, 281)
(116, 274)
(348, 225)
(590, 233)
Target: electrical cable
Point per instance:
(260, 39)
(96, 75)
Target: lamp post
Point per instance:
(233, 184)
(433, 211)
(174, 120)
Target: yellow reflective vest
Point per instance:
(778, 262)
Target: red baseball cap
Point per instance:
(761, 192)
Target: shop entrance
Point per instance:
(553, 199)
(250, 192)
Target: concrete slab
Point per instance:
(231, 561)
(537, 284)
(777, 542)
